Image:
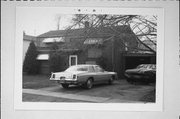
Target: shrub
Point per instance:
(57, 62)
(101, 61)
(31, 65)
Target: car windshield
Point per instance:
(147, 66)
(77, 68)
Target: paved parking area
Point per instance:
(120, 91)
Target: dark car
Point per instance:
(142, 73)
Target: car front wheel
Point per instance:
(89, 84)
(65, 85)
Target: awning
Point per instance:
(43, 57)
(91, 41)
(51, 40)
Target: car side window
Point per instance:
(98, 69)
(91, 69)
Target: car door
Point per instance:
(104, 74)
(100, 75)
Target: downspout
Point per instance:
(113, 53)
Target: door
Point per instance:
(72, 60)
(100, 74)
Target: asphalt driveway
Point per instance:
(120, 91)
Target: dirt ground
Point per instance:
(119, 90)
(37, 81)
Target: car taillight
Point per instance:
(53, 75)
(74, 76)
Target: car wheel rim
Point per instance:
(89, 83)
(111, 80)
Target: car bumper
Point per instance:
(65, 81)
(137, 76)
(74, 82)
(141, 78)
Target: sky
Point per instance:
(37, 21)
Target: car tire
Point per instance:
(130, 81)
(65, 86)
(89, 83)
(111, 80)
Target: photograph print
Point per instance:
(88, 58)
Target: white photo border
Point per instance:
(157, 106)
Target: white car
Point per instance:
(84, 75)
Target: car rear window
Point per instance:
(82, 69)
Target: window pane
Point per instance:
(91, 69)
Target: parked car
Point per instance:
(142, 73)
(84, 75)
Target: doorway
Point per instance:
(73, 60)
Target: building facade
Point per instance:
(105, 46)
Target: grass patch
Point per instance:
(149, 97)
(37, 81)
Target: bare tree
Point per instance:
(143, 27)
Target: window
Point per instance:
(90, 62)
(91, 41)
(51, 40)
(42, 57)
(126, 46)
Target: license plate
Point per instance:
(62, 78)
(136, 76)
(62, 81)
